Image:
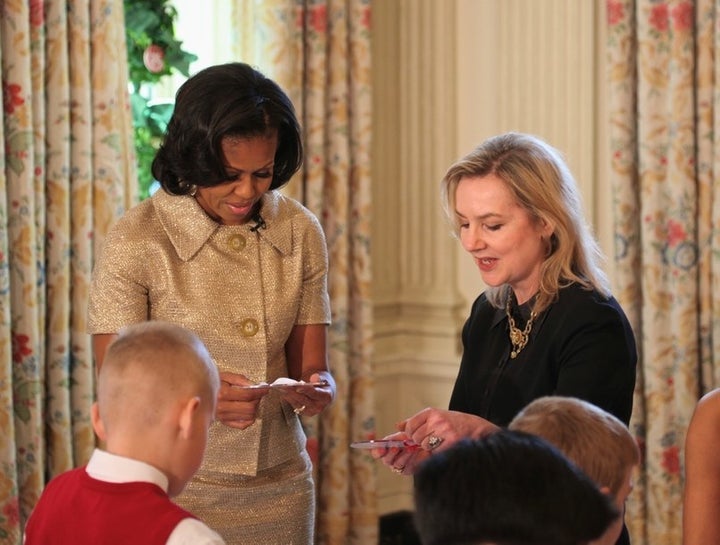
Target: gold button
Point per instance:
(249, 327)
(236, 242)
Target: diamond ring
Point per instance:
(298, 410)
(434, 441)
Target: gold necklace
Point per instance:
(518, 338)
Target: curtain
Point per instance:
(67, 148)
(319, 51)
(661, 74)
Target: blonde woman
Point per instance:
(547, 324)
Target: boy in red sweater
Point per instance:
(156, 397)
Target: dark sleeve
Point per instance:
(459, 399)
(483, 345)
(597, 356)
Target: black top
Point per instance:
(581, 346)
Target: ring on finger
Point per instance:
(434, 442)
(299, 410)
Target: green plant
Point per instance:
(153, 53)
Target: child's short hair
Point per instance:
(598, 442)
(147, 367)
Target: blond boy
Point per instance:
(596, 441)
(156, 397)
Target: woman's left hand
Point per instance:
(311, 400)
(439, 428)
(429, 430)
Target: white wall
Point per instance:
(448, 75)
(536, 66)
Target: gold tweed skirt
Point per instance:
(276, 507)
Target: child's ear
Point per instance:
(188, 414)
(97, 423)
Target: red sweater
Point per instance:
(75, 509)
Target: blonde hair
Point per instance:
(150, 366)
(596, 441)
(542, 184)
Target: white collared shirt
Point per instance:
(111, 468)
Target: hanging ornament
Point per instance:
(154, 58)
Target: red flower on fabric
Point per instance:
(676, 232)
(37, 12)
(682, 16)
(615, 12)
(11, 97)
(318, 18)
(671, 460)
(659, 17)
(20, 347)
(366, 20)
(12, 511)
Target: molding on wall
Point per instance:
(416, 313)
(446, 76)
(532, 66)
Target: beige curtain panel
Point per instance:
(68, 174)
(319, 51)
(662, 96)
(64, 179)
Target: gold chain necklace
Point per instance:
(518, 338)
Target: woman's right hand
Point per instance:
(237, 407)
(400, 460)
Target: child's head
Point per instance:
(507, 487)
(156, 397)
(596, 441)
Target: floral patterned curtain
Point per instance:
(67, 151)
(319, 51)
(662, 95)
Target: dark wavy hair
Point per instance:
(507, 488)
(230, 100)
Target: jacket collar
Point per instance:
(188, 226)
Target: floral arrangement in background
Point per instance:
(153, 53)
